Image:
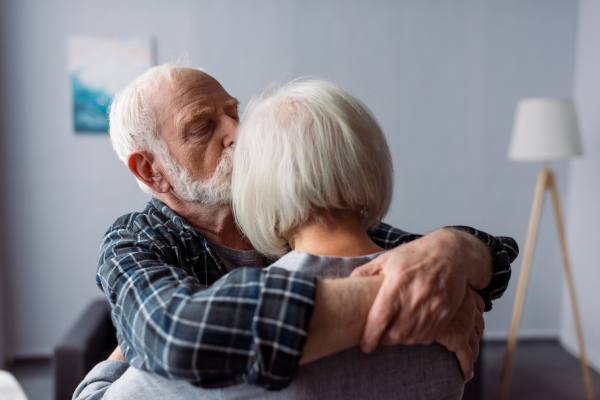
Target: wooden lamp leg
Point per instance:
(534, 221)
(563, 246)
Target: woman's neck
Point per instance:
(342, 238)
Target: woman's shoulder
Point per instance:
(322, 266)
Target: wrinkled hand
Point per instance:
(424, 284)
(463, 333)
(117, 355)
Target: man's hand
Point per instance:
(463, 333)
(423, 287)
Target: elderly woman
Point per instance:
(312, 173)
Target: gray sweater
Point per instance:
(397, 372)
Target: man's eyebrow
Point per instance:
(199, 113)
(233, 102)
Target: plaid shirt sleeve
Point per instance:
(249, 326)
(504, 251)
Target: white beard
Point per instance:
(216, 190)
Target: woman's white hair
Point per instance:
(308, 150)
(132, 122)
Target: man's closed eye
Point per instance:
(199, 131)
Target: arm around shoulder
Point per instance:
(502, 252)
(249, 325)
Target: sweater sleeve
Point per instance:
(99, 379)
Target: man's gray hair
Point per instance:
(306, 151)
(133, 125)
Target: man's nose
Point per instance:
(229, 130)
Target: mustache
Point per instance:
(225, 165)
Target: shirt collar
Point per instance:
(180, 223)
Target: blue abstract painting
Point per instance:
(99, 66)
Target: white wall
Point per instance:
(442, 77)
(3, 205)
(584, 191)
(2, 351)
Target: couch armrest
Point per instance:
(89, 341)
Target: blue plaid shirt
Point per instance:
(180, 315)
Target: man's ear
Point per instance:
(144, 166)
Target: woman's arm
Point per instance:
(339, 316)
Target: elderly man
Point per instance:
(187, 302)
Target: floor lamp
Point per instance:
(545, 129)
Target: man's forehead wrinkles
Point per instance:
(185, 89)
(206, 84)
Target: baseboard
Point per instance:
(30, 353)
(570, 344)
(523, 334)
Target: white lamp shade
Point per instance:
(545, 129)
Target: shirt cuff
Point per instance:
(503, 251)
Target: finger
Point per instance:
(402, 328)
(368, 269)
(479, 325)
(417, 318)
(474, 344)
(384, 309)
(425, 329)
(398, 331)
(478, 301)
(465, 358)
(440, 320)
(429, 310)
(462, 330)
